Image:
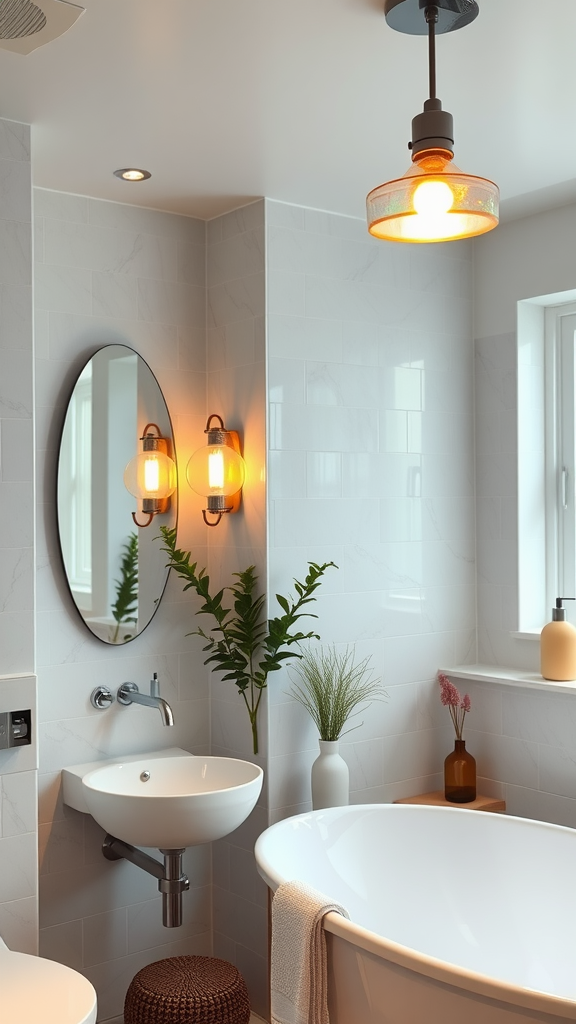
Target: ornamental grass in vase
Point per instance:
(331, 687)
(459, 766)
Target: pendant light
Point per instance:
(434, 201)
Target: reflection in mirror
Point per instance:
(116, 573)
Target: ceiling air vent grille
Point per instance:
(20, 18)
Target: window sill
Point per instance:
(508, 677)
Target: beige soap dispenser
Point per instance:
(558, 646)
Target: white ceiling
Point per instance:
(306, 101)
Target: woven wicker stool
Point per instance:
(187, 990)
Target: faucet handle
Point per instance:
(155, 686)
(124, 691)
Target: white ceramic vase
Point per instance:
(330, 777)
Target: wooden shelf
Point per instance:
(437, 799)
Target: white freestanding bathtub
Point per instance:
(457, 916)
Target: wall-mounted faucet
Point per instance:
(129, 693)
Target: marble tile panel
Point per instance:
(341, 384)
(325, 429)
(244, 218)
(400, 519)
(111, 295)
(286, 293)
(505, 758)
(323, 474)
(316, 520)
(110, 249)
(105, 936)
(243, 921)
(170, 302)
(15, 191)
(15, 384)
(447, 475)
(19, 925)
(390, 475)
(235, 300)
(178, 227)
(63, 289)
(16, 579)
(323, 222)
(441, 274)
(244, 878)
(284, 215)
(60, 206)
(448, 607)
(287, 380)
(531, 803)
(19, 803)
(364, 760)
(16, 450)
(14, 141)
(63, 943)
(18, 878)
(409, 662)
(287, 475)
(16, 312)
(300, 337)
(360, 344)
(17, 640)
(239, 256)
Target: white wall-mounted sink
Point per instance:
(170, 801)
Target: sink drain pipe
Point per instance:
(171, 880)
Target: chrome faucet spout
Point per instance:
(129, 693)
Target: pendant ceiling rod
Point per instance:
(431, 14)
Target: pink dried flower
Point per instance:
(448, 693)
(451, 699)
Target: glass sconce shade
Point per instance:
(217, 471)
(434, 202)
(151, 475)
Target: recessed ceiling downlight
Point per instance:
(132, 174)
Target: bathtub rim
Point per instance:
(404, 956)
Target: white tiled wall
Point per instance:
(371, 466)
(237, 391)
(107, 273)
(18, 775)
(525, 742)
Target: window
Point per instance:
(546, 457)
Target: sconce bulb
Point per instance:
(216, 470)
(151, 475)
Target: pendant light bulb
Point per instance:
(434, 201)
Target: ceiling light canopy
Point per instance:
(434, 201)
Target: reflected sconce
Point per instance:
(151, 475)
(217, 471)
(434, 201)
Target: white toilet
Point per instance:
(35, 990)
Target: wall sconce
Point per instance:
(151, 475)
(217, 471)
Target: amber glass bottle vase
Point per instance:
(460, 775)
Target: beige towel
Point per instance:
(299, 991)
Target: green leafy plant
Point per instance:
(125, 607)
(332, 687)
(241, 642)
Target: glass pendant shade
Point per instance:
(216, 470)
(151, 474)
(433, 202)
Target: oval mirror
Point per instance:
(115, 570)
